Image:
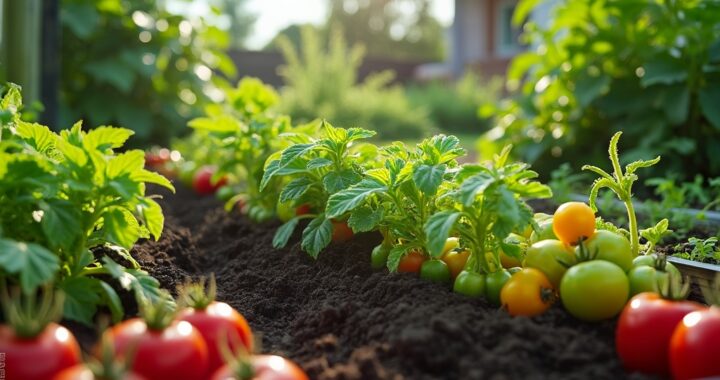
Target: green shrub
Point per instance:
(648, 68)
(454, 108)
(133, 63)
(322, 83)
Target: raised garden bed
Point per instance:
(340, 320)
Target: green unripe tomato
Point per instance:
(470, 284)
(611, 247)
(546, 256)
(594, 290)
(494, 283)
(225, 193)
(284, 211)
(435, 270)
(379, 256)
(544, 233)
(649, 260)
(645, 278)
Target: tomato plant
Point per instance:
(621, 184)
(573, 222)
(528, 293)
(316, 169)
(162, 347)
(245, 133)
(484, 208)
(34, 347)
(213, 319)
(64, 194)
(645, 328)
(398, 198)
(260, 367)
(594, 290)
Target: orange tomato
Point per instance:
(527, 293)
(573, 221)
(411, 262)
(341, 232)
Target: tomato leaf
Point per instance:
(34, 263)
(437, 230)
(317, 235)
(295, 189)
(283, 234)
(153, 218)
(364, 219)
(125, 163)
(317, 163)
(121, 227)
(338, 180)
(81, 298)
(112, 300)
(429, 177)
(397, 253)
(61, 223)
(346, 200)
(474, 185)
(102, 138)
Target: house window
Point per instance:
(508, 35)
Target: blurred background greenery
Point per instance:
(556, 78)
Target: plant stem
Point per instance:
(634, 237)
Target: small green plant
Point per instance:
(703, 250)
(68, 202)
(564, 183)
(621, 184)
(487, 205)
(317, 168)
(399, 198)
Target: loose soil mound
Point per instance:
(339, 319)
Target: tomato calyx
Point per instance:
(583, 253)
(111, 366)
(198, 295)
(158, 315)
(673, 288)
(30, 314)
(240, 362)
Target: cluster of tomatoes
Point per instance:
(212, 342)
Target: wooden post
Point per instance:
(21, 44)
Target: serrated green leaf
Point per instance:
(81, 298)
(339, 180)
(317, 163)
(120, 227)
(106, 137)
(317, 236)
(153, 218)
(125, 163)
(71, 153)
(38, 136)
(140, 282)
(147, 176)
(61, 223)
(474, 185)
(364, 219)
(510, 214)
(283, 234)
(125, 187)
(32, 262)
(437, 230)
(429, 177)
(359, 133)
(346, 200)
(220, 123)
(295, 189)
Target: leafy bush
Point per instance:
(63, 195)
(454, 108)
(135, 64)
(650, 69)
(323, 83)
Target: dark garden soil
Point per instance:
(339, 319)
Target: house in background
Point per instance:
(483, 37)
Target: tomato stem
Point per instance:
(29, 314)
(196, 294)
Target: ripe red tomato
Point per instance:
(177, 352)
(644, 330)
(265, 367)
(219, 318)
(38, 358)
(303, 209)
(341, 232)
(573, 221)
(202, 181)
(157, 157)
(694, 348)
(81, 372)
(411, 262)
